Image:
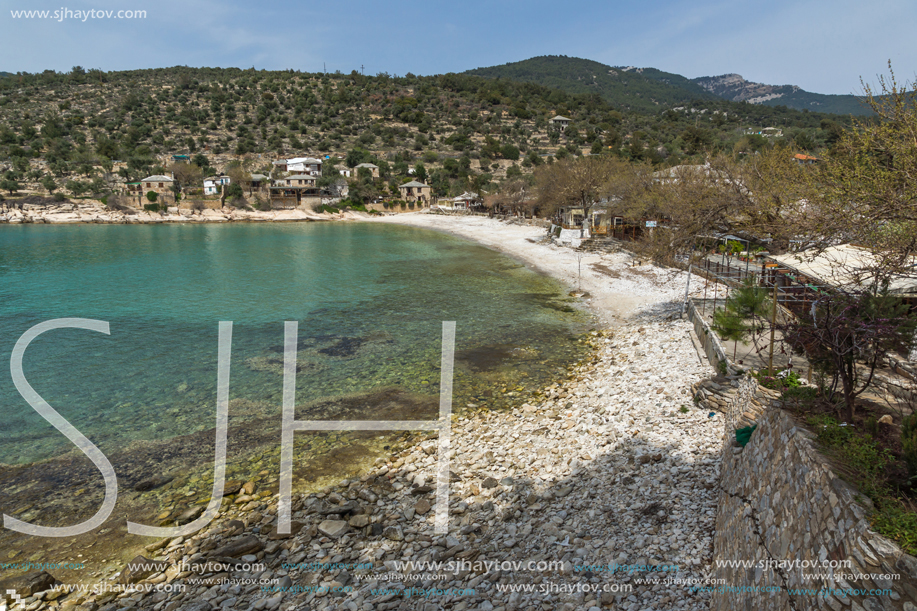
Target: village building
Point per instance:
(767, 132)
(466, 201)
(294, 191)
(416, 192)
(560, 122)
(571, 217)
(300, 165)
(158, 183)
(305, 165)
(297, 181)
(213, 185)
(369, 166)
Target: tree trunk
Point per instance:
(849, 395)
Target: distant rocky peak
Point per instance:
(734, 87)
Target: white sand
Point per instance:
(616, 290)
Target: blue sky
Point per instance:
(821, 46)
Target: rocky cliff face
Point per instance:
(734, 87)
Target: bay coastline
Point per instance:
(588, 417)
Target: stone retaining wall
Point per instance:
(781, 501)
(712, 347)
(781, 504)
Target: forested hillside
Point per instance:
(646, 89)
(84, 131)
(627, 89)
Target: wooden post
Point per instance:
(706, 281)
(687, 288)
(770, 359)
(716, 286)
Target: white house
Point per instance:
(305, 165)
(213, 185)
(465, 201)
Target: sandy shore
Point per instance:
(616, 289)
(552, 505)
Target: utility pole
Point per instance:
(361, 70)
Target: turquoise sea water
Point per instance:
(370, 301)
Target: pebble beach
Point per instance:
(597, 493)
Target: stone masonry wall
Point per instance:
(712, 347)
(781, 501)
(781, 505)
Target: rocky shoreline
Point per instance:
(613, 466)
(74, 213)
(561, 503)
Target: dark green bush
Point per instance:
(909, 443)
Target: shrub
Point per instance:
(909, 443)
(152, 207)
(801, 394)
(234, 190)
(860, 452)
(790, 378)
(152, 195)
(784, 380)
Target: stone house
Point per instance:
(416, 192)
(158, 183)
(369, 166)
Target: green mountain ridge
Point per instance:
(626, 88)
(653, 90)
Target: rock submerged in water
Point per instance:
(26, 585)
(152, 483)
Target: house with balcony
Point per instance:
(295, 191)
(416, 192)
(305, 165)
